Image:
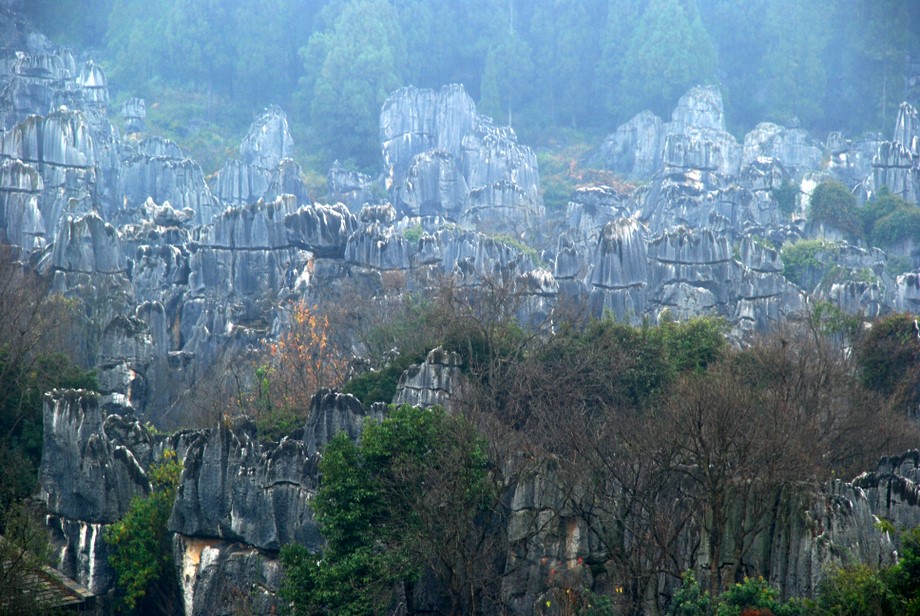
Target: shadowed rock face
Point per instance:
(20, 217)
(791, 146)
(239, 500)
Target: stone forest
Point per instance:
(675, 371)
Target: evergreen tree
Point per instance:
(565, 35)
(792, 74)
(267, 59)
(200, 49)
(669, 52)
(362, 61)
(138, 59)
(507, 79)
(736, 27)
(622, 18)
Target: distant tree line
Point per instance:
(541, 65)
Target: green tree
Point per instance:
(141, 546)
(361, 61)
(507, 78)
(200, 50)
(31, 331)
(737, 30)
(669, 52)
(73, 23)
(832, 204)
(401, 500)
(138, 60)
(565, 32)
(24, 551)
(793, 78)
(622, 19)
(267, 58)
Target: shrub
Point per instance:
(900, 224)
(786, 197)
(833, 205)
(888, 357)
(414, 233)
(380, 506)
(801, 259)
(141, 546)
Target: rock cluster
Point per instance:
(180, 272)
(444, 159)
(240, 500)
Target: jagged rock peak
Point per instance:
(268, 141)
(332, 412)
(134, 113)
(431, 383)
(700, 107)
(621, 257)
(907, 128)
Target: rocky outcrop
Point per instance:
(332, 412)
(352, 188)
(158, 170)
(268, 141)
(619, 279)
(264, 169)
(87, 245)
(897, 163)
(431, 383)
(240, 499)
(21, 221)
(694, 139)
(792, 147)
(39, 81)
(134, 115)
(634, 150)
(235, 488)
(444, 159)
(222, 577)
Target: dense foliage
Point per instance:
(540, 65)
(854, 590)
(141, 547)
(833, 205)
(805, 262)
(408, 495)
(24, 551)
(889, 360)
(32, 329)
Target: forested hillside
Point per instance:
(540, 65)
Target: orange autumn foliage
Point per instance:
(301, 361)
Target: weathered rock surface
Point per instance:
(332, 412)
(695, 138)
(897, 164)
(219, 577)
(431, 383)
(237, 489)
(134, 114)
(158, 171)
(239, 500)
(790, 146)
(444, 159)
(352, 188)
(21, 187)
